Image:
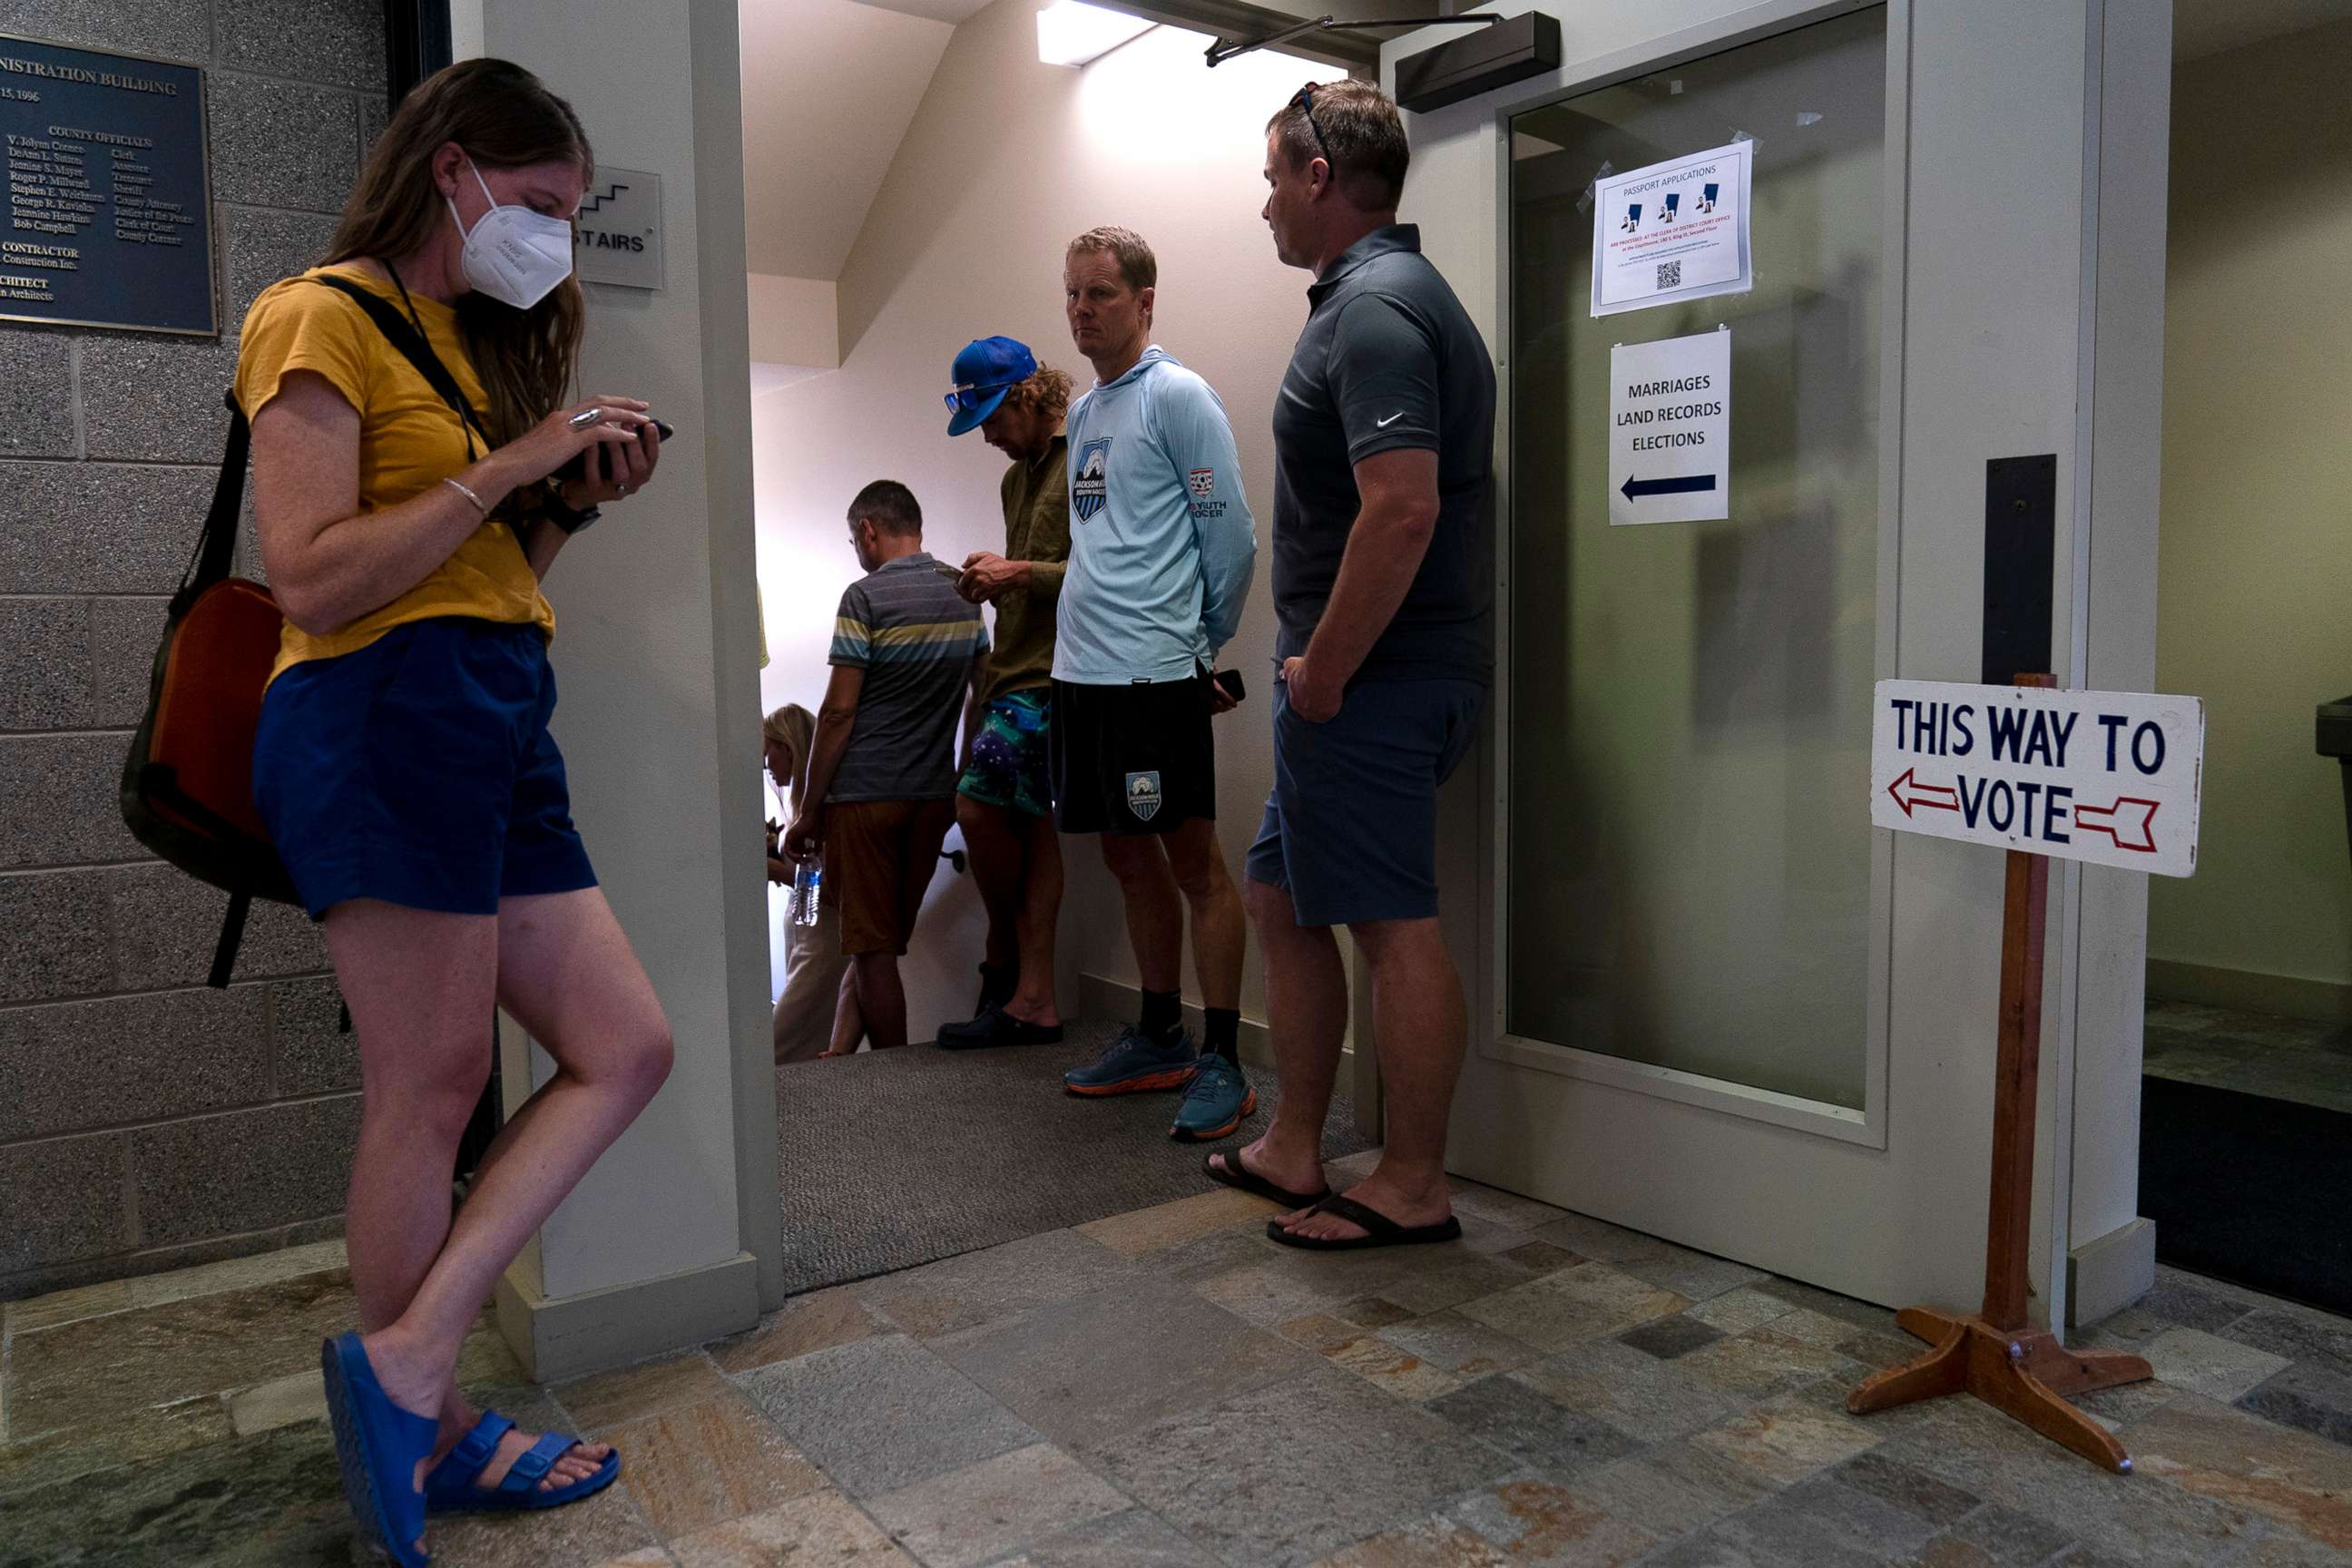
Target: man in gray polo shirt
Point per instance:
(1383, 448)
(906, 649)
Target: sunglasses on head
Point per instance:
(1303, 101)
(964, 398)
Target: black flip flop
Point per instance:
(1233, 1173)
(1378, 1229)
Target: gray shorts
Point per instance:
(1351, 829)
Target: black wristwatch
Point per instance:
(559, 512)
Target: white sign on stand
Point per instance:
(1669, 430)
(2108, 777)
(1676, 231)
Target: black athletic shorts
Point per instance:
(1133, 759)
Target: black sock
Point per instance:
(1163, 1014)
(1224, 1032)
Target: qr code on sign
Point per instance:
(1670, 274)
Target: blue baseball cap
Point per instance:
(986, 370)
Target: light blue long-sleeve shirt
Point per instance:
(1163, 545)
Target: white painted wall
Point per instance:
(661, 740)
(828, 89)
(793, 321)
(465, 27)
(2123, 423)
(1004, 162)
(2255, 564)
(2202, 28)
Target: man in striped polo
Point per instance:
(906, 651)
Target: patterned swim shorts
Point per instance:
(1009, 757)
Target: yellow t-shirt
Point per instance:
(409, 441)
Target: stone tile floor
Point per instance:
(2255, 1053)
(1166, 1388)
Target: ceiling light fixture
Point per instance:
(1071, 33)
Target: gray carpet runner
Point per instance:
(904, 1157)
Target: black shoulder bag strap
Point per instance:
(215, 553)
(400, 334)
(217, 543)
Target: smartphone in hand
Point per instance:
(578, 465)
(1231, 679)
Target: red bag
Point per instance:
(187, 784)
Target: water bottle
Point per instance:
(808, 891)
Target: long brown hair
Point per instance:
(504, 118)
(1048, 392)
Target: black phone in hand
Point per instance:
(1231, 679)
(578, 467)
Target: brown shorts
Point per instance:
(879, 855)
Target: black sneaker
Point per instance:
(997, 983)
(997, 1027)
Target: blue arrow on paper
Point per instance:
(1687, 485)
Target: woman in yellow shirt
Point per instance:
(403, 762)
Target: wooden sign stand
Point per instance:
(1995, 1354)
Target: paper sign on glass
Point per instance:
(1669, 430)
(1676, 231)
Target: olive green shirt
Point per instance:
(1036, 529)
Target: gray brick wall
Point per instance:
(146, 1121)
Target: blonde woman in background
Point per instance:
(817, 1014)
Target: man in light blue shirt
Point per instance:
(1161, 549)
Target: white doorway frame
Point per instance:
(1867, 1125)
(1930, 1067)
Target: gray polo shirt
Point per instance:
(1388, 359)
(915, 637)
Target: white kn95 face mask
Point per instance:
(514, 255)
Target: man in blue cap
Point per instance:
(1004, 802)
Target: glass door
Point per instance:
(1714, 1004)
(1686, 880)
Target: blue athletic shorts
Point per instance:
(419, 771)
(1351, 829)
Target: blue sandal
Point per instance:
(449, 1487)
(378, 1445)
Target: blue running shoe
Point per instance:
(1217, 1103)
(1135, 1063)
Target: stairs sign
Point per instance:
(1669, 430)
(2108, 777)
(618, 238)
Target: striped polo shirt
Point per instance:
(915, 637)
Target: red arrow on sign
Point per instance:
(1942, 797)
(2119, 823)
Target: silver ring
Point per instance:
(619, 488)
(586, 418)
